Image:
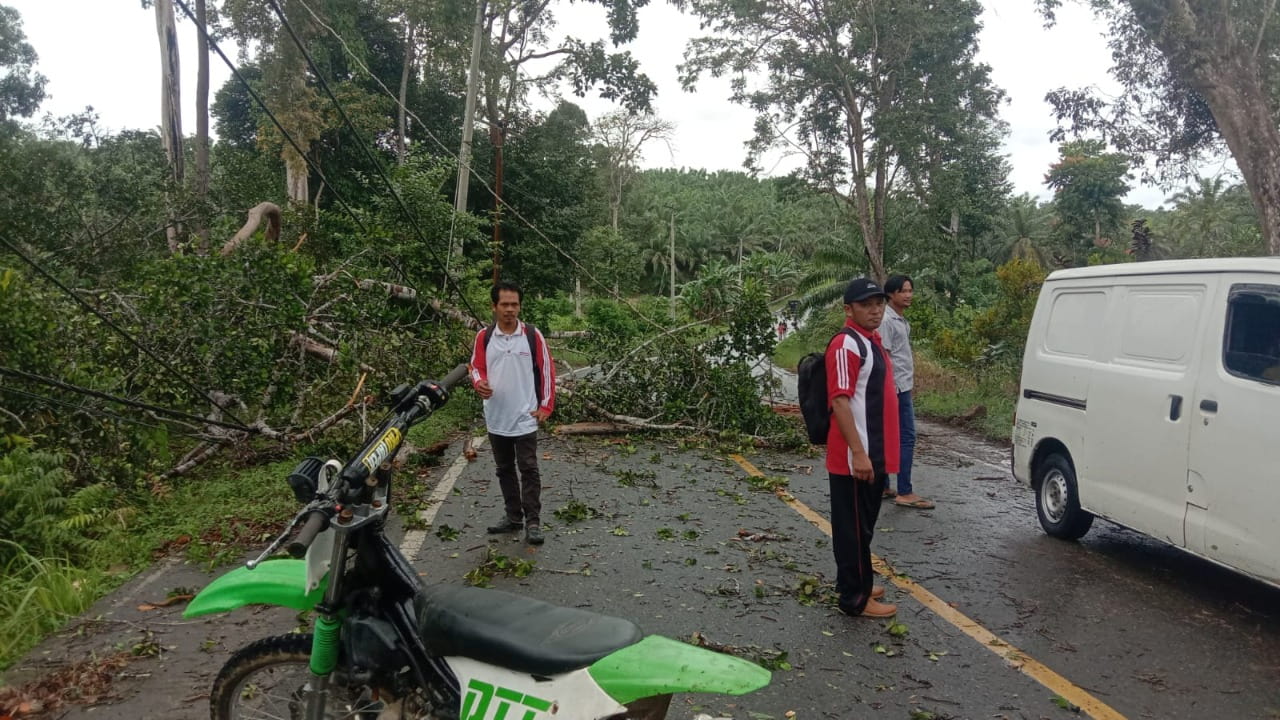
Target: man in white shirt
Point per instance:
(511, 369)
(896, 332)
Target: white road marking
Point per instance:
(413, 539)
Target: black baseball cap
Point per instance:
(863, 288)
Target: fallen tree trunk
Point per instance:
(395, 292)
(593, 428)
(270, 211)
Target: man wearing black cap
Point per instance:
(862, 444)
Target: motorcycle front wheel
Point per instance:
(267, 679)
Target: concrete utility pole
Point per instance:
(469, 114)
(673, 265)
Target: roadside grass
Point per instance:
(211, 518)
(36, 597)
(952, 396)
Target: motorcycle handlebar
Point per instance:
(316, 523)
(455, 376)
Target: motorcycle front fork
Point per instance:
(325, 637)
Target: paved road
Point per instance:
(1145, 630)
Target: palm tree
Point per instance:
(1211, 219)
(1022, 231)
(833, 266)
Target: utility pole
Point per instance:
(469, 114)
(672, 265)
(497, 136)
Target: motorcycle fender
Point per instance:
(657, 665)
(275, 582)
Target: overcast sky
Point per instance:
(105, 53)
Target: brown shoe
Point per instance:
(877, 592)
(877, 609)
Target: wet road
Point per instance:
(1147, 631)
(1144, 629)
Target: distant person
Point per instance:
(782, 330)
(862, 445)
(896, 332)
(511, 369)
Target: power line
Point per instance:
(364, 146)
(178, 414)
(450, 154)
(96, 411)
(213, 45)
(121, 331)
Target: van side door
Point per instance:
(1235, 441)
(1138, 425)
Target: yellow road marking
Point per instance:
(1021, 661)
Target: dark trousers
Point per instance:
(523, 496)
(855, 507)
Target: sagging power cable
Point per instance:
(125, 334)
(61, 385)
(98, 412)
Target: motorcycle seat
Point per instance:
(516, 632)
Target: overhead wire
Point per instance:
(61, 385)
(97, 411)
(125, 334)
(311, 165)
(373, 160)
(502, 201)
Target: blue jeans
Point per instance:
(907, 434)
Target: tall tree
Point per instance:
(21, 87)
(622, 136)
(1196, 74)
(517, 33)
(170, 105)
(293, 100)
(202, 117)
(1088, 182)
(857, 87)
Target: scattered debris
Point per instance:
(88, 682)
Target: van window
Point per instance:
(1073, 322)
(1159, 325)
(1251, 348)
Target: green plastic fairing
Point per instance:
(657, 665)
(275, 582)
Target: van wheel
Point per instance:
(1058, 501)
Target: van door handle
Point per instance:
(1175, 407)
(1209, 406)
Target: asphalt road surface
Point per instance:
(1004, 622)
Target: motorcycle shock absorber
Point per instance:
(324, 646)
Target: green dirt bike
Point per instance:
(386, 647)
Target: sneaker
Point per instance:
(507, 525)
(877, 592)
(533, 535)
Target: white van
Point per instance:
(1151, 397)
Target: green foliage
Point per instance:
(997, 333)
(38, 595)
(494, 564)
(22, 88)
(1088, 183)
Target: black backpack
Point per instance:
(811, 375)
(530, 334)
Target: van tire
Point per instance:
(1058, 500)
